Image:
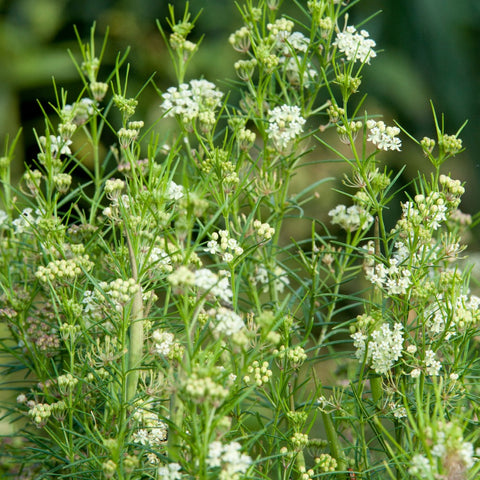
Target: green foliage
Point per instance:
(167, 328)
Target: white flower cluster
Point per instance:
(355, 45)
(421, 217)
(398, 411)
(291, 46)
(210, 282)
(385, 138)
(57, 145)
(285, 124)
(280, 29)
(169, 472)
(450, 454)
(25, 221)
(224, 245)
(453, 314)
(191, 99)
(279, 278)
(161, 259)
(152, 432)
(432, 365)
(228, 456)
(293, 67)
(163, 342)
(351, 218)
(384, 348)
(429, 365)
(79, 112)
(174, 192)
(392, 277)
(228, 322)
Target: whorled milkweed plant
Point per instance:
(159, 322)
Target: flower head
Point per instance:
(385, 138)
(355, 45)
(285, 124)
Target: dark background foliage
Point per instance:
(430, 51)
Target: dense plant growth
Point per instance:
(162, 323)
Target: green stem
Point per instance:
(135, 349)
(334, 442)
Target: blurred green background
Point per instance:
(430, 51)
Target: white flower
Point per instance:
(161, 258)
(215, 451)
(169, 472)
(279, 275)
(163, 342)
(206, 94)
(385, 138)
(22, 398)
(141, 436)
(292, 69)
(280, 29)
(174, 191)
(228, 457)
(351, 218)
(355, 45)
(285, 124)
(433, 366)
(228, 322)
(223, 244)
(296, 41)
(415, 373)
(360, 343)
(385, 347)
(400, 412)
(211, 283)
(178, 101)
(24, 221)
(420, 466)
(57, 145)
(212, 247)
(189, 100)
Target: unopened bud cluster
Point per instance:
(450, 144)
(295, 355)
(205, 389)
(240, 40)
(245, 138)
(62, 182)
(58, 270)
(263, 230)
(126, 106)
(326, 463)
(66, 382)
(258, 374)
(41, 412)
(119, 290)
